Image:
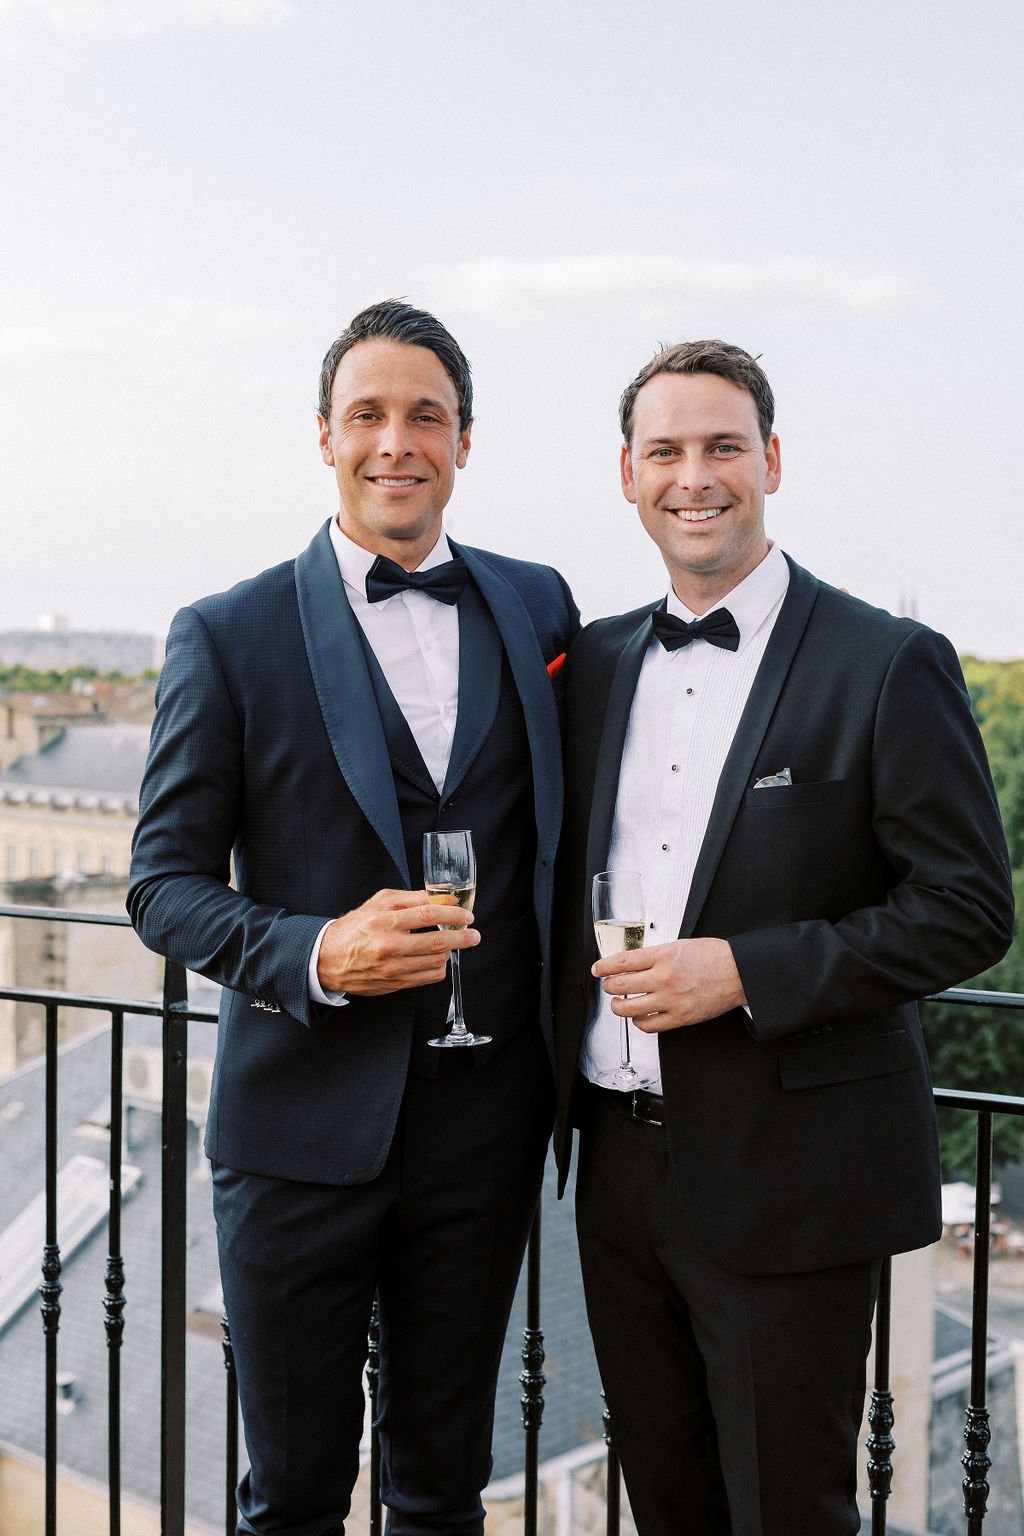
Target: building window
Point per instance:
(12, 863)
(108, 864)
(35, 863)
(83, 863)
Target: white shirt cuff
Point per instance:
(316, 991)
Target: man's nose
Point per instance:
(693, 473)
(394, 437)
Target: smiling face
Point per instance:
(698, 471)
(394, 443)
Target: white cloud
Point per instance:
(139, 18)
(646, 282)
(179, 327)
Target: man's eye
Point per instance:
(663, 453)
(726, 448)
(431, 420)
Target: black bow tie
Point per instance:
(445, 582)
(718, 628)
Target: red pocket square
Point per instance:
(554, 667)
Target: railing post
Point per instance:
(174, 1148)
(880, 1442)
(373, 1388)
(612, 1476)
(114, 1301)
(50, 1288)
(532, 1380)
(231, 1436)
(976, 1460)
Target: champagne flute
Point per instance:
(449, 875)
(618, 925)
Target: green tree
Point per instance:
(982, 1048)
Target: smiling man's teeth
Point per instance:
(697, 514)
(381, 480)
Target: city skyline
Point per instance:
(200, 193)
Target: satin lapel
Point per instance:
(479, 685)
(609, 756)
(754, 721)
(345, 693)
(529, 668)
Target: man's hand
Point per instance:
(671, 985)
(376, 948)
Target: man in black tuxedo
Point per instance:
(799, 782)
(312, 724)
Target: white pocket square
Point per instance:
(775, 780)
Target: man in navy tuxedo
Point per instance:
(799, 782)
(312, 724)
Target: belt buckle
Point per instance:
(642, 1108)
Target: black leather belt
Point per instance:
(636, 1104)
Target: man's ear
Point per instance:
(626, 474)
(773, 465)
(326, 451)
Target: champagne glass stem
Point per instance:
(459, 1023)
(624, 1061)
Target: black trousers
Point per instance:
(735, 1400)
(440, 1237)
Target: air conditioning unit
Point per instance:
(197, 1090)
(142, 1078)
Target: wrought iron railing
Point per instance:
(175, 1015)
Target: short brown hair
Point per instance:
(719, 357)
(395, 320)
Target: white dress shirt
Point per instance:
(685, 711)
(416, 641)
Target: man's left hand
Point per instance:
(672, 985)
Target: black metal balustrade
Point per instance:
(175, 1014)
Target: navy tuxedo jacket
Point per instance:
(804, 1136)
(268, 748)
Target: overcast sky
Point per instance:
(198, 194)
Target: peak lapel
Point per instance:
(345, 693)
(772, 673)
(609, 756)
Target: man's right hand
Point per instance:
(378, 947)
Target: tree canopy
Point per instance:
(982, 1048)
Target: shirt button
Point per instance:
(652, 926)
(675, 767)
(689, 691)
(664, 847)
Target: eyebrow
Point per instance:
(416, 405)
(712, 437)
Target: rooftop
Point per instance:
(105, 760)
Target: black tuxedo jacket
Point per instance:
(268, 748)
(803, 1136)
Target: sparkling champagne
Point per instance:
(614, 936)
(448, 895)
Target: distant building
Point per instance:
(106, 650)
(68, 805)
(69, 800)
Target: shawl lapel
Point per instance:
(345, 693)
(535, 692)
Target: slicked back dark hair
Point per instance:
(719, 357)
(394, 320)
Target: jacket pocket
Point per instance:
(844, 1061)
(776, 796)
